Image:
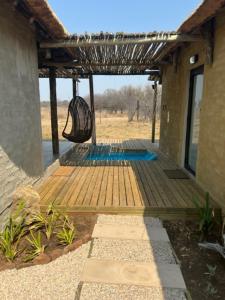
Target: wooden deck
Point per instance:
(139, 187)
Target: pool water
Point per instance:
(126, 155)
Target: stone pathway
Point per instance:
(130, 258)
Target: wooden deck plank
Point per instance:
(135, 189)
(156, 184)
(116, 196)
(90, 190)
(87, 180)
(154, 197)
(122, 191)
(97, 188)
(144, 190)
(77, 185)
(63, 171)
(109, 188)
(102, 194)
(67, 190)
(170, 187)
(53, 189)
(129, 193)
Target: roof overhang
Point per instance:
(111, 54)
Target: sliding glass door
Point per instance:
(193, 119)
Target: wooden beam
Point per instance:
(160, 38)
(74, 82)
(92, 104)
(208, 34)
(71, 64)
(155, 86)
(54, 117)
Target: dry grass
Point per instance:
(110, 126)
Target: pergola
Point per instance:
(82, 56)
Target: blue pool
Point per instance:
(126, 155)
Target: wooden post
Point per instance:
(138, 108)
(154, 110)
(74, 87)
(92, 104)
(54, 117)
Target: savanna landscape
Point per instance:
(122, 114)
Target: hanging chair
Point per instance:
(81, 118)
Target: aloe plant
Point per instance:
(46, 221)
(10, 236)
(67, 234)
(36, 245)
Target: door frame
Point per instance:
(197, 71)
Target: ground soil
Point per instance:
(184, 236)
(84, 224)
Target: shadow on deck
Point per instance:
(135, 187)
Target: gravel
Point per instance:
(129, 220)
(56, 281)
(98, 291)
(129, 250)
(60, 279)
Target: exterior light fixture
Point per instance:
(194, 59)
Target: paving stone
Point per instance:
(130, 232)
(133, 273)
(129, 220)
(130, 250)
(99, 291)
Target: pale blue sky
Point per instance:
(113, 16)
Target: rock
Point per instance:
(86, 238)
(9, 265)
(31, 200)
(24, 265)
(56, 253)
(73, 246)
(42, 259)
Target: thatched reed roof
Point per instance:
(43, 13)
(203, 13)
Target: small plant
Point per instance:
(8, 248)
(205, 214)
(67, 234)
(48, 222)
(210, 290)
(211, 271)
(12, 233)
(36, 244)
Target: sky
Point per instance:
(115, 16)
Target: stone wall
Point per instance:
(210, 172)
(20, 124)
